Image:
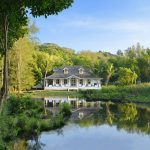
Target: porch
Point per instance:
(72, 84)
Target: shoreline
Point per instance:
(139, 93)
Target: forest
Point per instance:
(30, 61)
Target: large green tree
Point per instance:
(13, 16)
(44, 64)
(65, 55)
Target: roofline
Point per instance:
(75, 76)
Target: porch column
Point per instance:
(61, 82)
(53, 82)
(84, 82)
(77, 82)
(69, 82)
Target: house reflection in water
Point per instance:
(74, 102)
(80, 107)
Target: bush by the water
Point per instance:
(65, 109)
(23, 105)
(23, 118)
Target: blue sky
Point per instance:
(106, 25)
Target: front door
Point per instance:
(73, 82)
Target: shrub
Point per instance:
(8, 130)
(65, 109)
(23, 117)
(2, 145)
(32, 127)
(58, 121)
(17, 105)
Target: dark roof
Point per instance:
(72, 71)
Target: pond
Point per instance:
(99, 125)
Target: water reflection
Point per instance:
(94, 137)
(74, 102)
(129, 117)
(132, 117)
(35, 144)
(99, 125)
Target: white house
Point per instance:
(72, 78)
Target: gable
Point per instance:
(73, 76)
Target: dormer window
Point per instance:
(65, 70)
(81, 71)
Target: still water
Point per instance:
(101, 126)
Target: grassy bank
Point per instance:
(25, 118)
(48, 93)
(139, 93)
(135, 93)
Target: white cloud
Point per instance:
(98, 24)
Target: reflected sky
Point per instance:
(108, 127)
(102, 137)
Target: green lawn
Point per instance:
(46, 93)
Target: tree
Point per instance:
(119, 53)
(106, 70)
(44, 63)
(109, 72)
(126, 76)
(87, 59)
(135, 51)
(13, 16)
(65, 55)
(1, 70)
(11, 28)
(144, 65)
(20, 65)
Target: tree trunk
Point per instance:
(18, 73)
(4, 89)
(2, 72)
(107, 80)
(45, 78)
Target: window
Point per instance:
(57, 81)
(80, 71)
(65, 70)
(89, 81)
(73, 82)
(81, 81)
(50, 82)
(65, 81)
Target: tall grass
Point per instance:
(139, 92)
